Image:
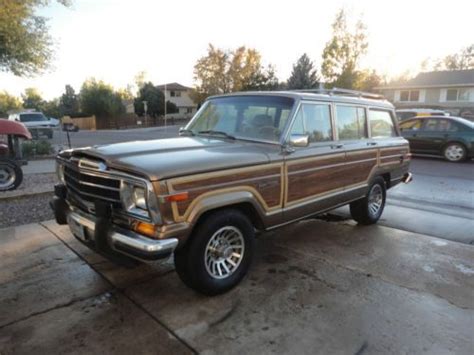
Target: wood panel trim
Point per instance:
(226, 187)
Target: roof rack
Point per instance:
(344, 92)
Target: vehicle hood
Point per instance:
(166, 158)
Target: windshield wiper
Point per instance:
(221, 133)
(187, 132)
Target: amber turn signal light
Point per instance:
(182, 196)
(145, 229)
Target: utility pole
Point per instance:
(165, 109)
(145, 108)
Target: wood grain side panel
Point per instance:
(223, 178)
(305, 184)
(360, 165)
(315, 163)
(265, 182)
(270, 190)
(394, 151)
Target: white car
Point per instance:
(36, 122)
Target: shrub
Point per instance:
(33, 148)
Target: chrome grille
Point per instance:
(91, 187)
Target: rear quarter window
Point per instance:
(381, 124)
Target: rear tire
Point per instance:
(369, 209)
(11, 175)
(218, 254)
(454, 152)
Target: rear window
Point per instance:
(381, 124)
(32, 117)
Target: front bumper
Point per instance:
(101, 235)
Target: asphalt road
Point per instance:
(439, 201)
(89, 138)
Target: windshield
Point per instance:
(248, 117)
(32, 117)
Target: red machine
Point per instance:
(11, 159)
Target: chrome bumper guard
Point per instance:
(125, 241)
(407, 178)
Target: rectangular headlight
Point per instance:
(134, 199)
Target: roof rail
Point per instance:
(344, 92)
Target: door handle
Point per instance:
(371, 143)
(337, 146)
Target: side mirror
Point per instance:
(299, 140)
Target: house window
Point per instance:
(410, 95)
(178, 93)
(452, 95)
(405, 95)
(189, 110)
(458, 95)
(173, 94)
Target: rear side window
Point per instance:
(315, 121)
(412, 124)
(431, 125)
(381, 124)
(442, 125)
(351, 122)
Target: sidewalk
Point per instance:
(42, 166)
(315, 287)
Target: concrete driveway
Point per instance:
(315, 287)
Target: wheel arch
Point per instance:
(243, 201)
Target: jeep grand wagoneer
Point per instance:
(246, 162)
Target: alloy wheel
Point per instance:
(224, 252)
(375, 200)
(454, 152)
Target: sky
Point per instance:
(113, 40)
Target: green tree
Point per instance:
(343, 51)
(100, 99)
(51, 108)
(32, 99)
(367, 80)
(459, 61)
(25, 44)
(304, 75)
(222, 71)
(262, 80)
(8, 103)
(155, 101)
(69, 102)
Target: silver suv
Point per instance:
(36, 122)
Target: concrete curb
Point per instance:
(22, 194)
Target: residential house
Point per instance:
(179, 95)
(450, 90)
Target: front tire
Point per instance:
(11, 175)
(369, 209)
(219, 253)
(455, 152)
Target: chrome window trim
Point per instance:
(362, 106)
(292, 120)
